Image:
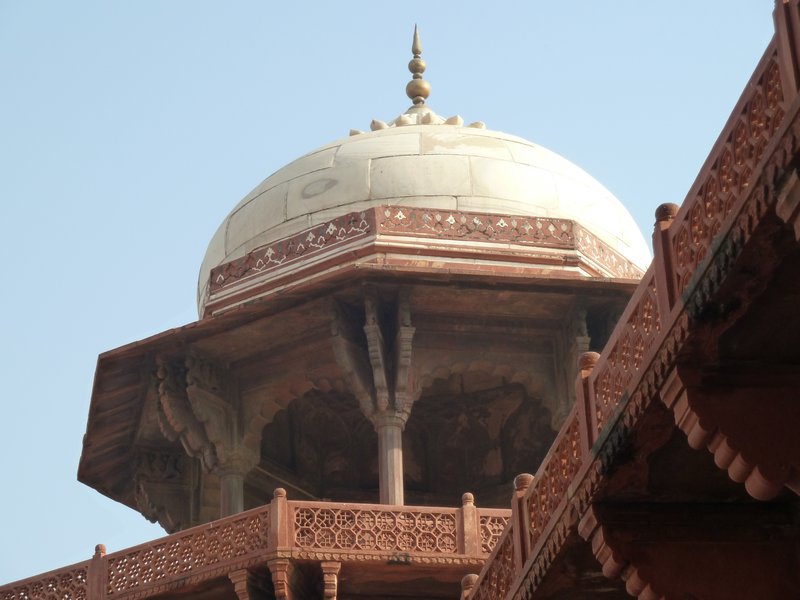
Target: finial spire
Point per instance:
(417, 89)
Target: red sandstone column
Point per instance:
(231, 492)
(390, 458)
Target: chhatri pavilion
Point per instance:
(434, 360)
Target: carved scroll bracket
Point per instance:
(678, 551)
(163, 482)
(198, 405)
(376, 361)
(748, 421)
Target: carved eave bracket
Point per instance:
(176, 417)
(198, 406)
(164, 483)
(750, 426)
(376, 362)
(676, 551)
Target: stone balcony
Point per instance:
(263, 550)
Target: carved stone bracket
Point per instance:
(377, 364)
(351, 356)
(749, 424)
(240, 579)
(176, 417)
(330, 578)
(164, 482)
(281, 571)
(198, 404)
(675, 551)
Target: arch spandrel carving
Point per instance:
(477, 439)
(325, 444)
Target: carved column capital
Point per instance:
(389, 419)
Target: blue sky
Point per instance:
(128, 130)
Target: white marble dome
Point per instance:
(435, 166)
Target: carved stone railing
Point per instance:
(68, 583)
(498, 575)
(536, 503)
(394, 533)
(629, 373)
(195, 555)
(630, 346)
(727, 174)
(303, 530)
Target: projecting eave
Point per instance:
(266, 338)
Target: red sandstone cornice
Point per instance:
(418, 241)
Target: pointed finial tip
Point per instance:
(417, 89)
(416, 44)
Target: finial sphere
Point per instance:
(418, 90)
(666, 212)
(588, 360)
(522, 481)
(417, 66)
(469, 581)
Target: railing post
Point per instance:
(97, 575)
(469, 541)
(664, 259)
(584, 403)
(520, 520)
(280, 527)
(787, 29)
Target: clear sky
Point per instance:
(128, 130)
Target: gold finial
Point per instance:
(417, 89)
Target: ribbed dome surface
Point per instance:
(431, 166)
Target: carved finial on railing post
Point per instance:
(467, 583)
(520, 521)
(97, 574)
(469, 541)
(664, 259)
(280, 529)
(584, 401)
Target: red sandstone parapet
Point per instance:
(322, 531)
